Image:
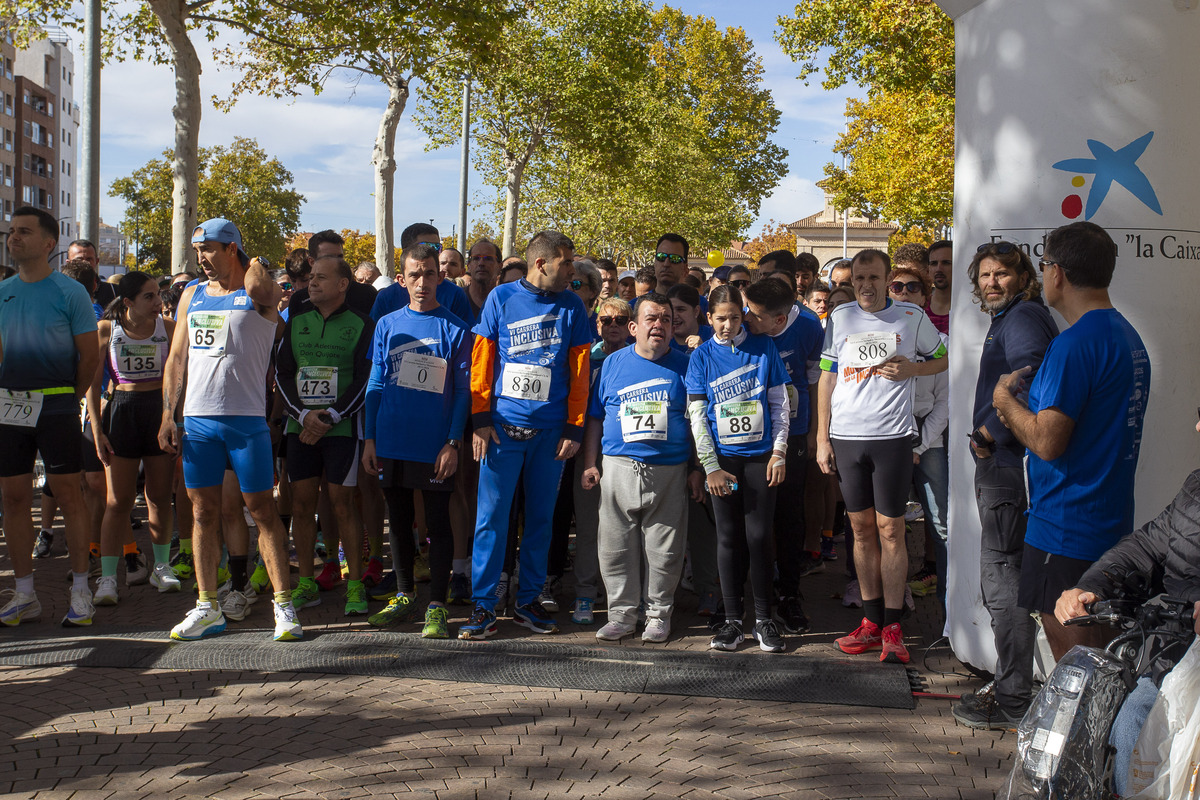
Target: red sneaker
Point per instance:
(894, 651)
(865, 637)
(373, 574)
(330, 576)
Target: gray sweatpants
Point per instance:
(643, 536)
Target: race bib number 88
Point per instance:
(739, 422)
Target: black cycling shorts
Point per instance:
(131, 421)
(875, 473)
(396, 474)
(57, 437)
(333, 457)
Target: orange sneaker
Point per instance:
(864, 638)
(894, 651)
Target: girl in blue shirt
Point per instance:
(739, 413)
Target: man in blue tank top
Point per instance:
(223, 347)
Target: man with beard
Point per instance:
(1007, 288)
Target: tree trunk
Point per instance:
(185, 168)
(515, 168)
(383, 158)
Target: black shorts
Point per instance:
(88, 460)
(1045, 576)
(334, 457)
(396, 474)
(131, 421)
(57, 437)
(875, 473)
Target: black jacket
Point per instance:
(1166, 550)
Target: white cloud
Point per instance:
(794, 198)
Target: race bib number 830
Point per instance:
(526, 382)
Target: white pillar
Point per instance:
(1041, 84)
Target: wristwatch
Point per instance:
(455, 443)
(980, 441)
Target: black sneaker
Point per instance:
(790, 615)
(729, 637)
(717, 620)
(984, 695)
(459, 591)
(535, 617)
(41, 547)
(811, 562)
(766, 633)
(985, 716)
(386, 588)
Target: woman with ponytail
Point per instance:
(134, 342)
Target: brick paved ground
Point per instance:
(84, 733)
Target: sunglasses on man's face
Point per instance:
(674, 259)
(1002, 248)
(287, 287)
(622, 321)
(742, 284)
(897, 287)
(577, 285)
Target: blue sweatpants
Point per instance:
(498, 474)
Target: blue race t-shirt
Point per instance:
(534, 333)
(799, 346)
(419, 392)
(38, 325)
(1098, 374)
(643, 405)
(735, 380)
(449, 297)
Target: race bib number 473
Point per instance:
(317, 385)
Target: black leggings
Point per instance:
(744, 535)
(404, 547)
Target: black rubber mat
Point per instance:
(522, 662)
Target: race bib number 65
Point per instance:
(208, 332)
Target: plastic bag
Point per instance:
(1178, 753)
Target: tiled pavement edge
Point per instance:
(84, 733)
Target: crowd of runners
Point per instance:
(502, 420)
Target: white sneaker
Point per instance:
(203, 620)
(287, 625)
(249, 593)
(614, 631)
(235, 606)
(223, 590)
(22, 608)
(657, 630)
(80, 613)
(163, 578)
(106, 591)
(136, 571)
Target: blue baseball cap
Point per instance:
(721, 273)
(219, 229)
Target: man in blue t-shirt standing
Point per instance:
(1082, 427)
(529, 389)
(638, 416)
(50, 355)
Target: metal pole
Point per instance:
(462, 178)
(89, 126)
(845, 218)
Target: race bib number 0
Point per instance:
(739, 422)
(644, 421)
(526, 382)
(140, 361)
(422, 372)
(208, 332)
(20, 408)
(868, 349)
(317, 385)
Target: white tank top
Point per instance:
(229, 353)
(137, 360)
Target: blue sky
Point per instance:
(326, 140)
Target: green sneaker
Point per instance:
(306, 594)
(259, 580)
(399, 609)
(183, 566)
(435, 624)
(356, 598)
